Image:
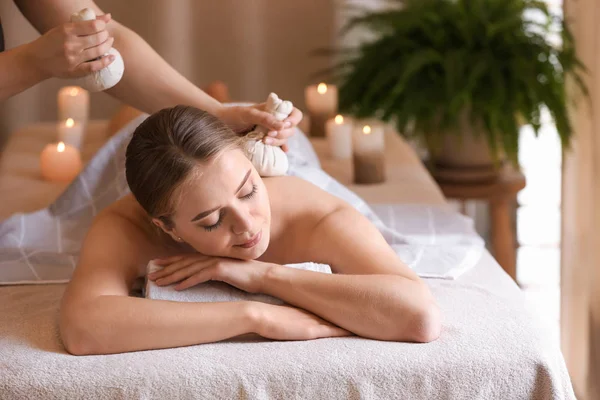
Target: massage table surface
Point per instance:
(491, 346)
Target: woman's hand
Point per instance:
(243, 118)
(191, 269)
(63, 51)
(290, 323)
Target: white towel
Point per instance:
(211, 292)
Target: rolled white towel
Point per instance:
(212, 292)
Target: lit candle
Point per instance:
(339, 137)
(70, 132)
(73, 102)
(60, 162)
(321, 99)
(368, 146)
(321, 103)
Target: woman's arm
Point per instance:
(372, 293)
(98, 317)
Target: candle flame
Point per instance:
(322, 88)
(367, 130)
(339, 119)
(74, 91)
(60, 147)
(70, 123)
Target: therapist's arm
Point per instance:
(17, 73)
(60, 52)
(149, 83)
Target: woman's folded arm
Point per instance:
(372, 293)
(98, 317)
(116, 324)
(382, 307)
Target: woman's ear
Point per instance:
(169, 231)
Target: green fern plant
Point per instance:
(433, 59)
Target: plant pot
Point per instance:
(465, 158)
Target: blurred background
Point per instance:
(259, 46)
(255, 46)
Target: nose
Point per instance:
(242, 222)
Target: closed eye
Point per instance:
(252, 193)
(216, 225)
(222, 213)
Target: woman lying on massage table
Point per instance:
(201, 209)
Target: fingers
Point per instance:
(171, 268)
(295, 117)
(105, 17)
(85, 28)
(279, 138)
(285, 148)
(88, 67)
(175, 263)
(286, 133)
(94, 40)
(98, 51)
(86, 44)
(202, 276)
(274, 141)
(199, 271)
(263, 118)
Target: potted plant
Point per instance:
(459, 73)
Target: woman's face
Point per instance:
(224, 209)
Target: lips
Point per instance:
(252, 242)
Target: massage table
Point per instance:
(492, 345)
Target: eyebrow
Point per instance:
(206, 213)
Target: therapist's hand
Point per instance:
(243, 118)
(63, 51)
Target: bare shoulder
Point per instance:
(126, 230)
(294, 194)
(115, 250)
(328, 230)
(297, 208)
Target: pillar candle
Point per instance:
(368, 147)
(322, 104)
(71, 132)
(60, 162)
(339, 137)
(73, 102)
